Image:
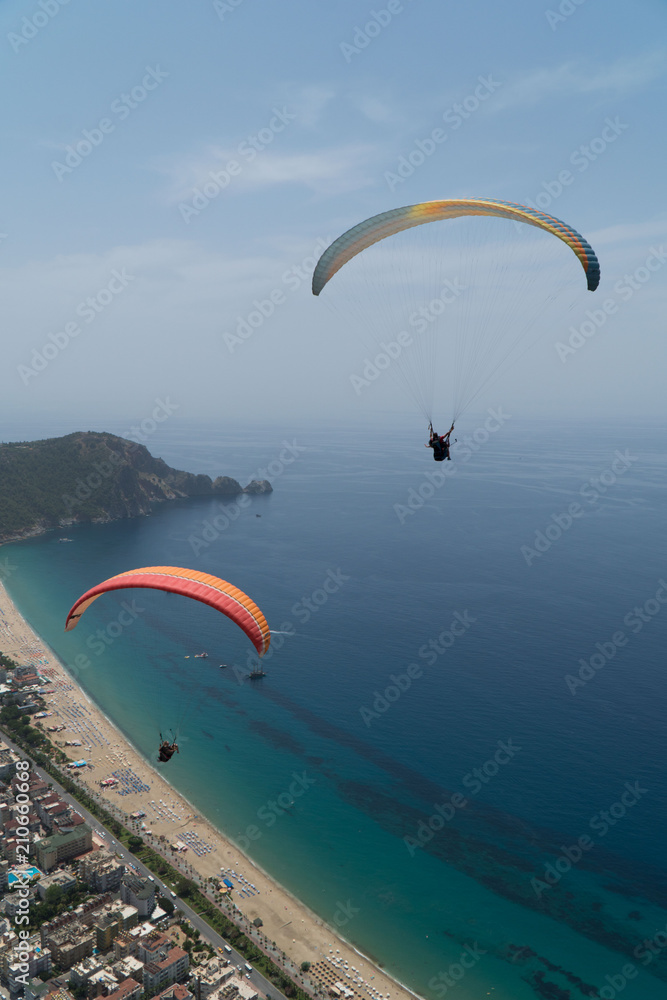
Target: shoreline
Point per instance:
(171, 817)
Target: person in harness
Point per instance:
(440, 444)
(166, 750)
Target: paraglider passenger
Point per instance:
(167, 750)
(440, 444)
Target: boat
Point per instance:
(201, 656)
(65, 539)
(254, 675)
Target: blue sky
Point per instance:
(303, 111)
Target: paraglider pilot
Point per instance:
(167, 750)
(440, 444)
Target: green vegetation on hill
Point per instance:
(88, 476)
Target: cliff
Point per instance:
(89, 476)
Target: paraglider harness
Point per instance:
(440, 444)
(167, 750)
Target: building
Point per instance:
(171, 969)
(110, 921)
(139, 892)
(102, 872)
(14, 971)
(83, 971)
(7, 762)
(37, 990)
(60, 993)
(128, 990)
(63, 879)
(71, 943)
(175, 992)
(49, 807)
(211, 976)
(128, 968)
(24, 676)
(12, 904)
(51, 851)
(236, 988)
(153, 947)
(124, 946)
(83, 914)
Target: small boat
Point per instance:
(65, 539)
(254, 675)
(201, 656)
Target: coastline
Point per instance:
(169, 815)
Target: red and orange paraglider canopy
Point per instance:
(218, 594)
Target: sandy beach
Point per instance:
(287, 922)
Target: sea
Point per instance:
(456, 757)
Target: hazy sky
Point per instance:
(291, 120)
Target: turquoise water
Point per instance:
(373, 760)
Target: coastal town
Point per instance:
(100, 921)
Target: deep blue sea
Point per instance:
(421, 692)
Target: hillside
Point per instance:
(89, 476)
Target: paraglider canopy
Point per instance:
(211, 590)
(385, 224)
(445, 308)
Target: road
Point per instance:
(261, 984)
